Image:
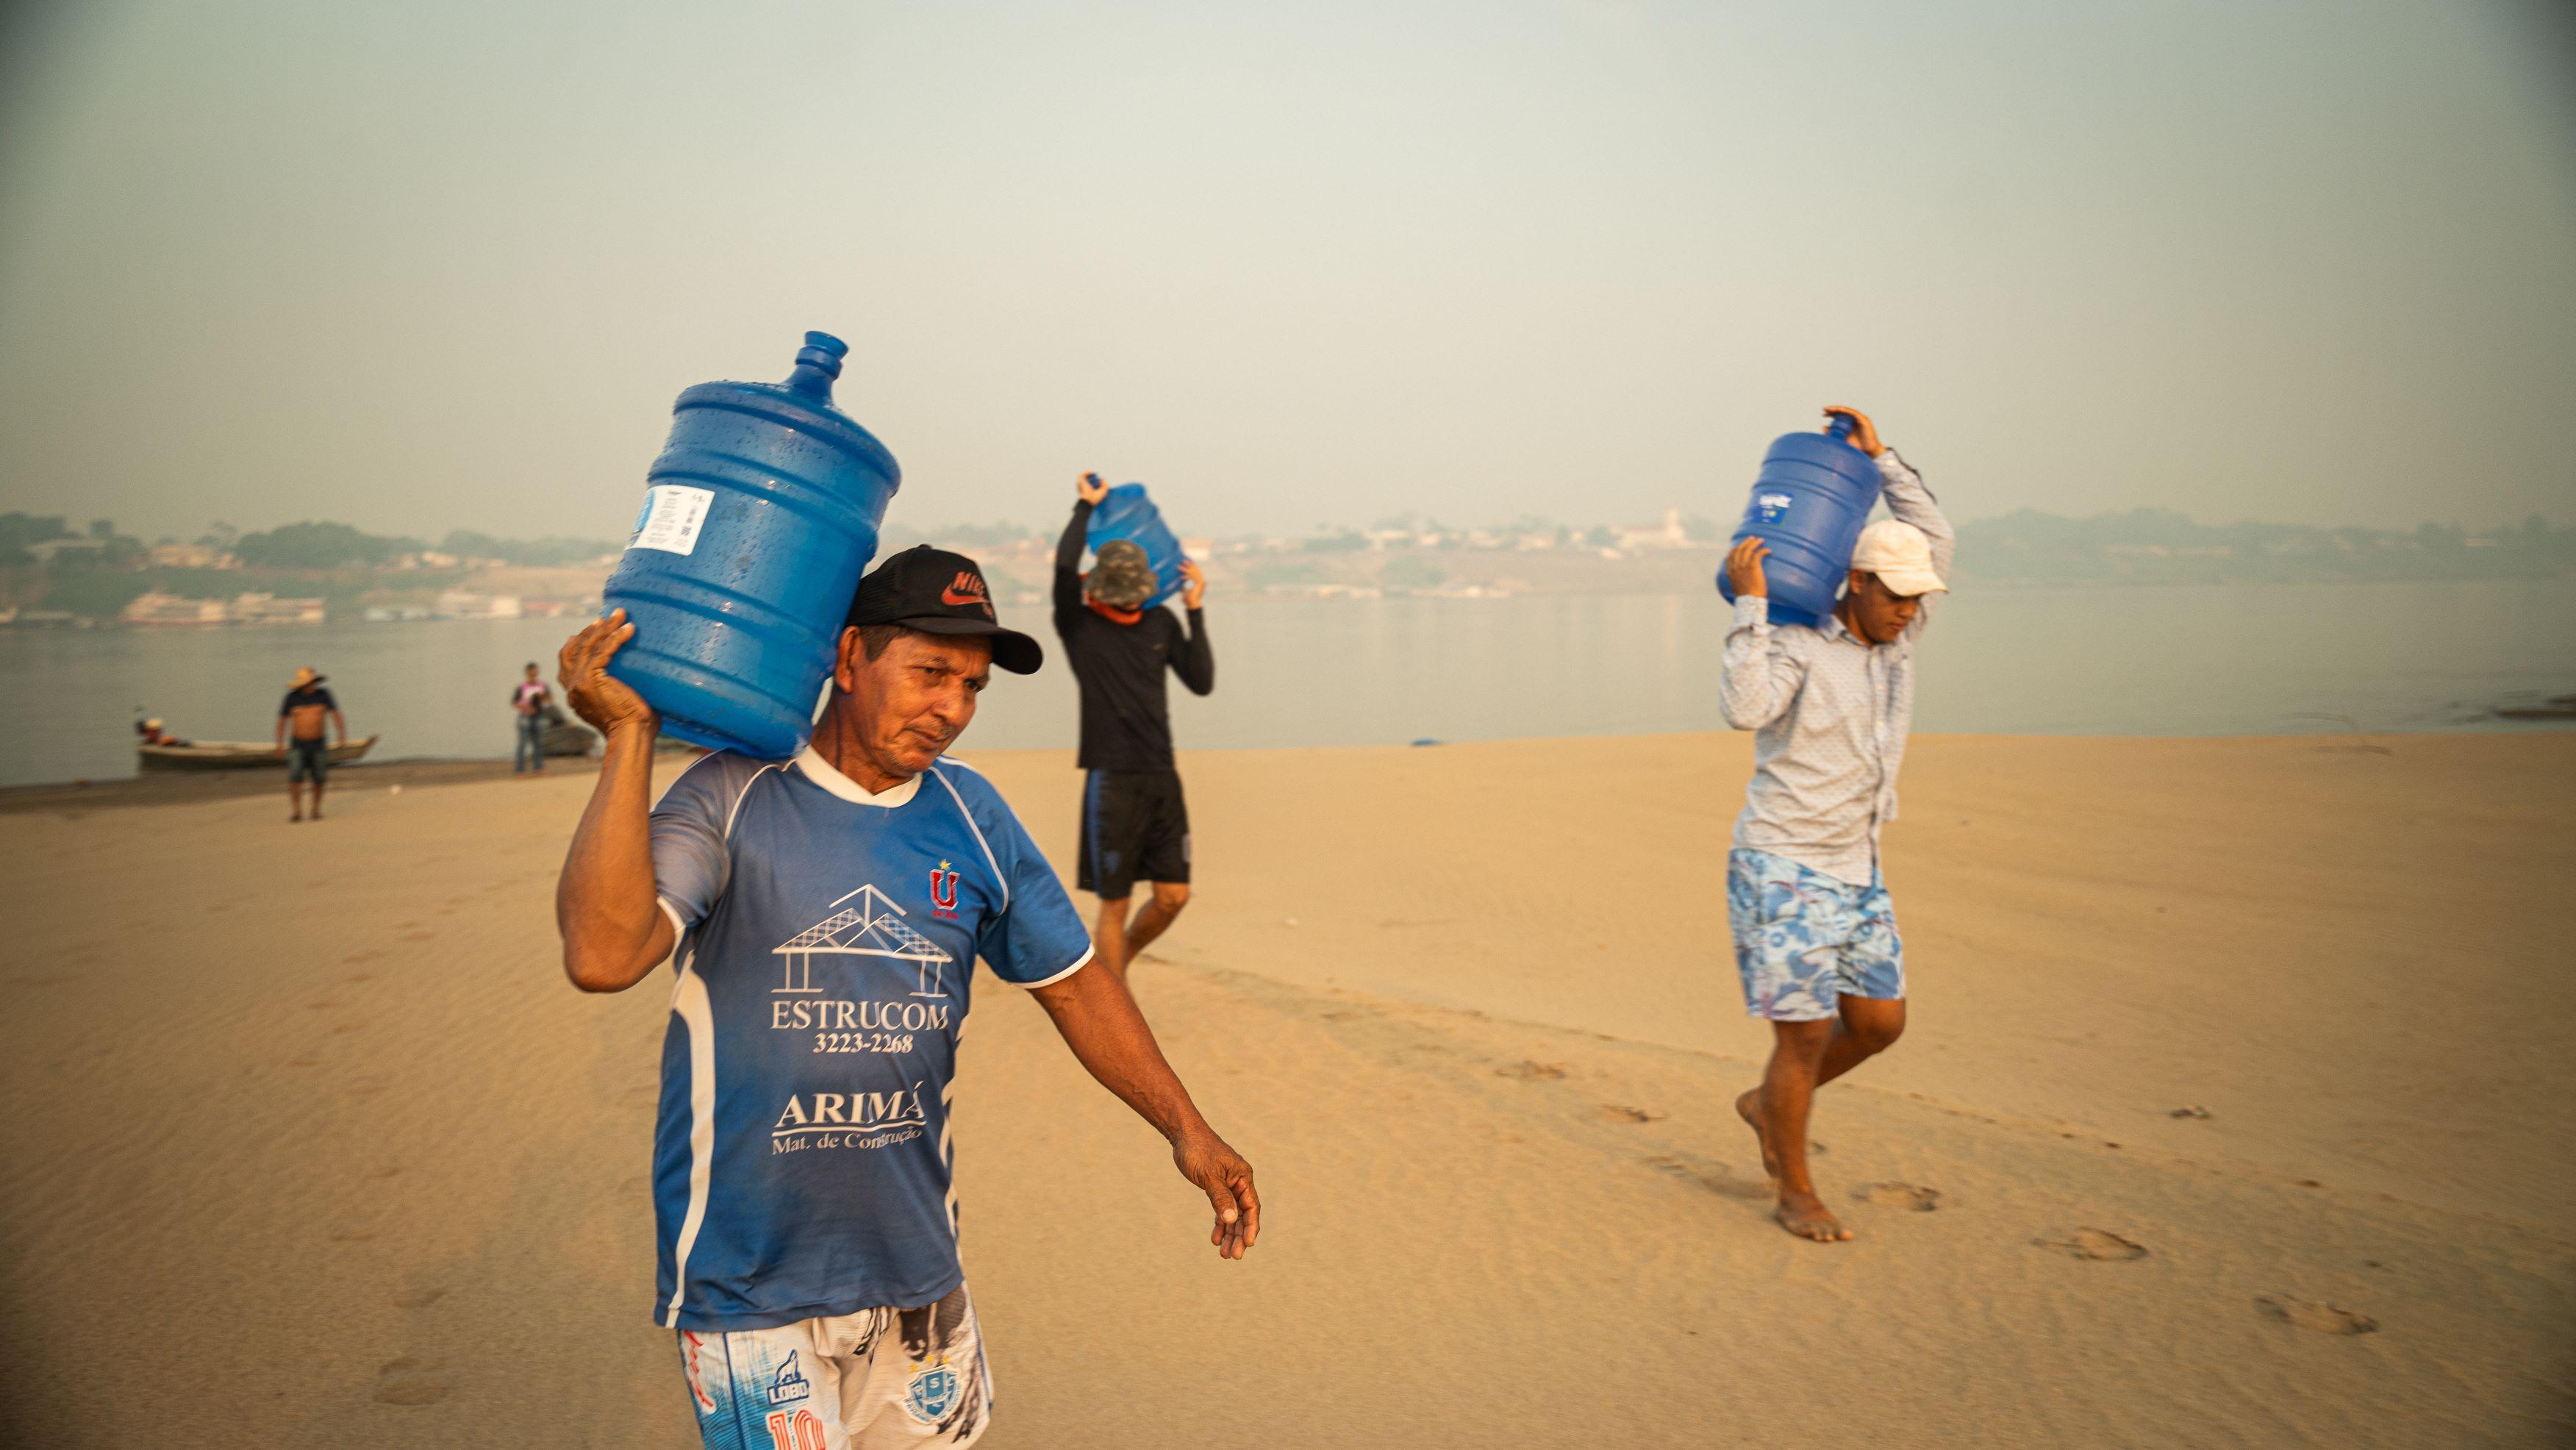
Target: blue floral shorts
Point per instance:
(1804, 939)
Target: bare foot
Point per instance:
(1748, 1106)
(1805, 1215)
(295, 820)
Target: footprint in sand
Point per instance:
(2307, 1314)
(419, 936)
(1715, 1177)
(410, 1382)
(351, 961)
(1532, 1071)
(2093, 1243)
(1617, 1113)
(418, 1298)
(1899, 1195)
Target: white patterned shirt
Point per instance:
(1830, 714)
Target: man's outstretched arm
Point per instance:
(614, 930)
(1099, 1021)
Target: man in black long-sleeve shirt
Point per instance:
(1135, 826)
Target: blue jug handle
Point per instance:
(818, 362)
(1840, 427)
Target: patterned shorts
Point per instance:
(1804, 939)
(875, 1380)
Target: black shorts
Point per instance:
(307, 760)
(1135, 827)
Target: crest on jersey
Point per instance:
(943, 892)
(866, 923)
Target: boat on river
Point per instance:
(235, 754)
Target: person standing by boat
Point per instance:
(308, 755)
(530, 700)
(1135, 826)
(1815, 933)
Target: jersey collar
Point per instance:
(820, 771)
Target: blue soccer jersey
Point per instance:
(827, 941)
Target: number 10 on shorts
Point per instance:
(800, 1431)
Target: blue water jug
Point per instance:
(1813, 495)
(1128, 514)
(758, 519)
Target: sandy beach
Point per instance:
(309, 1143)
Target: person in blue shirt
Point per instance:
(824, 914)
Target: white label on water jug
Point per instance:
(673, 514)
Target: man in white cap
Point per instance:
(1815, 934)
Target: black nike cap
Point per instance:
(937, 592)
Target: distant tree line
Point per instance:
(2139, 546)
(338, 546)
(308, 545)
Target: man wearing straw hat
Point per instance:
(1815, 934)
(308, 756)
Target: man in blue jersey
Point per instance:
(826, 913)
(1815, 933)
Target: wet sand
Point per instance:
(315, 1105)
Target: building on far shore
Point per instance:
(269, 609)
(46, 551)
(191, 556)
(155, 607)
(1667, 535)
(466, 604)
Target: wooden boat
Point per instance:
(2559, 707)
(236, 754)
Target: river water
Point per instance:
(2234, 660)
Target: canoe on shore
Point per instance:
(235, 754)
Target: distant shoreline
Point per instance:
(188, 787)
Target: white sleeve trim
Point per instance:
(741, 795)
(1078, 964)
(679, 928)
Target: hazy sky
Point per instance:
(426, 266)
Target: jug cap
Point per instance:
(818, 362)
